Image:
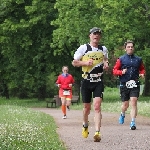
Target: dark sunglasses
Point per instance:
(95, 33)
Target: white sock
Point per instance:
(123, 114)
(85, 125)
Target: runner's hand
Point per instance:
(58, 85)
(70, 85)
(142, 76)
(124, 71)
(89, 62)
(106, 65)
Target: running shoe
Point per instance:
(85, 132)
(132, 125)
(97, 137)
(121, 119)
(64, 117)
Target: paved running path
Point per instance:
(114, 135)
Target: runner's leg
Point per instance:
(63, 106)
(97, 110)
(68, 103)
(124, 106)
(133, 112)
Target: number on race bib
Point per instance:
(95, 77)
(131, 84)
(66, 92)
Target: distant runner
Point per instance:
(65, 82)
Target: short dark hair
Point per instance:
(128, 41)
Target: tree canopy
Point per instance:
(39, 37)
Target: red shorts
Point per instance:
(67, 94)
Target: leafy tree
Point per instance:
(73, 23)
(26, 38)
(122, 20)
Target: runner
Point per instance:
(65, 82)
(129, 68)
(93, 58)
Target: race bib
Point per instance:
(95, 77)
(131, 84)
(66, 92)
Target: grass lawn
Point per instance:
(24, 129)
(112, 103)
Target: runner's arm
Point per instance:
(117, 68)
(106, 63)
(105, 60)
(142, 70)
(58, 81)
(79, 63)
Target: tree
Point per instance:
(147, 79)
(122, 20)
(26, 38)
(72, 26)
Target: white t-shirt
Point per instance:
(96, 54)
(82, 49)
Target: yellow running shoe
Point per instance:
(97, 137)
(85, 132)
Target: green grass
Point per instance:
(115, 107)
(112, 103)
(28, 103)
(24, 129)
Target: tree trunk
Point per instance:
(42, 93)
(22, 93)
(6, 91)
(77, 88)
(146, 91)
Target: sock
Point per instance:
(133, 119)
(63, 108)
(85, 125)
(123, 114)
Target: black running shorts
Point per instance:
(91, 90)
(126, 93)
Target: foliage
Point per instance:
(52, 89)
(74, 22)
(72, 29)
(122, 20)
(26, 37)
(126, 22)
(39, 37)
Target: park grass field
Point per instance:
(112, 103)
(24, 129)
